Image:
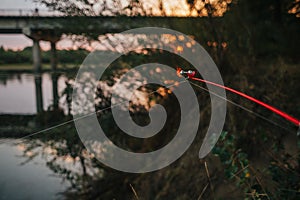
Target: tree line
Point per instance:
(9, 56)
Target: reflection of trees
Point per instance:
(67, 93)
(66, 155)
(63, 151)
(9, 76)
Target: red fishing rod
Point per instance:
(191, 75)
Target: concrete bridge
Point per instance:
(49, 26)
(44, 26)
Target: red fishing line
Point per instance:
(271, 108)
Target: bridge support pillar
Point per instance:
(36, 54)
(54, 75)
(48, 35)
(53, 56)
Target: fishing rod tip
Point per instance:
(179, 71)
(189, 73)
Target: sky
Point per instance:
(19, 41)
(18, 4)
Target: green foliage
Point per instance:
(234, 159)
(71, 56)
(10, 56)
(236, 166)
(287, 180)
(285, 172)
(239, 168)
(25, 56)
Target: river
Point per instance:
(18, 95)
(24, 176)
(26, 180)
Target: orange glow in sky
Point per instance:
(181, 8)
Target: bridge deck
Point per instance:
(100, 25)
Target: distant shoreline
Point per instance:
(28, 68)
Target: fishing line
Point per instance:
(65, 123)
(242, 107)
(271, 108)
(191, 77)
(84, 116)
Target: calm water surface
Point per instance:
(26, 180)
(21, 178)
(17, 93)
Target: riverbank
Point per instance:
(28, 68)
(20, 125)
(16, 126)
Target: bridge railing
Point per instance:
(29, 12)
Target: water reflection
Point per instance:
(31, 180)
(27, 93)
(60, 150)
(55, 77)
(38, 93)
(28, 165)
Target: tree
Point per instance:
(138, 7)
